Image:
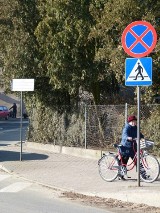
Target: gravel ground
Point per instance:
(111, 204)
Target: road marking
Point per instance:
(16, 187)
(13, 130)
(14, 122)
(3, 177)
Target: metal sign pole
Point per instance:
(85, 129)
(20, 85)
(138, 134)
(21, 129)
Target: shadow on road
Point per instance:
(15, 156)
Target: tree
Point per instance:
(111, 18)
(22, 57)
(62, 37)
(77, 48)
(19, 43)
(69, 52)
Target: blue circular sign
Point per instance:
(139, 39)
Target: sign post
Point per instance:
(138, 135)
(138, 40)
(22, 85)
(21, 123)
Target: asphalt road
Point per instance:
(10, 130)
(21, 196)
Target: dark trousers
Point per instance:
(14, 114)
(128, 152)
(125, 161)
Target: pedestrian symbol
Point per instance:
(138, 71)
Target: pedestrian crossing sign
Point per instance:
(138, 71)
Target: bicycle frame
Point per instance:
(133, 162)
(145, 164)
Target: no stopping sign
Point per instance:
(139, 39)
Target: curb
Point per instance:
(74, 151)
(61, 190)
(123, 196)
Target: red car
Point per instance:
(4, 112)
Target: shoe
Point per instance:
(121, 177)
(145, 176)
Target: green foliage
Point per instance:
(70, 52)
(151, 127)
(71, 44)
(111, 18)
(75, 131)
(60, 128)
(149, 123)
(62, 37)
(19, 43)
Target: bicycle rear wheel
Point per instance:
(108, 167)
(151, 167)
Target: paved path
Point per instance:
(74, 174)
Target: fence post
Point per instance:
(85, 129)
(126, 112)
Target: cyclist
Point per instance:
(129, 147)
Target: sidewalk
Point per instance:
(76, 174)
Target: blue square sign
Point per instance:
(138, 71)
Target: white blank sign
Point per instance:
(22, 85)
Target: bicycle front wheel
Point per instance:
(151, 167)
(108, 167)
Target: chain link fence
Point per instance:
(91, 126)
(104, 124)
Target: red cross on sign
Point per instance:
(139, 39)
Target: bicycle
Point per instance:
(111, 165)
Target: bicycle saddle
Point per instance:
(117, 145)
